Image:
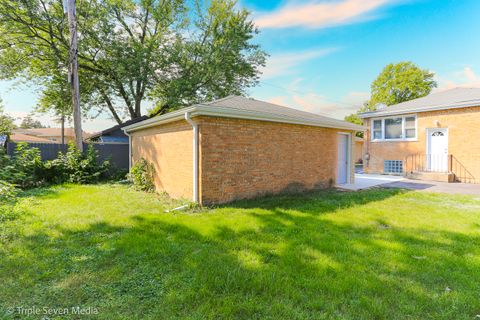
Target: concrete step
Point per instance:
(432, 176)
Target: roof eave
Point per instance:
(382, 113)
(215, 111)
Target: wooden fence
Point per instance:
(116, 153)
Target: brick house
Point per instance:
(430, 138)
(237, 147)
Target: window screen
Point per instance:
(393, 128)
(377, 129)
(410, 131)
(393, 166)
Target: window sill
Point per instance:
(395, 140)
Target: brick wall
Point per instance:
(246, 158)
(358, 151)
(463, 140)
(169, 148)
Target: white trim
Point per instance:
(383, 139)
(195, 155)
(349, 156)
(215, 111)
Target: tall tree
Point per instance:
(6, 122)
(217, 58)
(400, 82)
(29, 123)
(130, 51)
(354, 118)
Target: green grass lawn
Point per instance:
(378, 254)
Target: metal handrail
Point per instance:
(428, 163)
(443, 163)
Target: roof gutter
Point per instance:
(195, 155)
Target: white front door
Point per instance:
(437, 149)
(342, 159)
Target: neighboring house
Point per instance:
(20, 137)
(46, 135)
(358, 150)
(434, 138)
(237, 147)
(115, 134)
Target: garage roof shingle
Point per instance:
(248, 108)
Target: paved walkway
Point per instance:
(365, 181)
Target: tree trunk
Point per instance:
(63, 131)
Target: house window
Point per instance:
(410, 130)
(377, 129)
(393, 166)
(395, 128)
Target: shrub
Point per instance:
(8, 199)
(8, 191)
(142, 176)
(24, 169)
(77, 167)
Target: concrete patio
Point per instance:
(366, 181)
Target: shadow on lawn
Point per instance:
(292, 266)
(322, 201)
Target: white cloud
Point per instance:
(280, 100)
(316, 103)
(319, 14)
(284, 63)
(320, 104)
(465, 78)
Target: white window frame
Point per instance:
(403, 128)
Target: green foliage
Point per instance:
(26, 168)
(130, 51)
(29, 123)
(8, 199)
(372, 254)
(142, 175)
(400, 82)
(354, 118)
(77, 167)
(8, 191)
(6, 122)
(216, 60)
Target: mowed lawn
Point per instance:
(378, 254)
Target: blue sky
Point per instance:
(325, 54)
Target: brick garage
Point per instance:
(245, 148)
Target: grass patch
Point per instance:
(378, 254)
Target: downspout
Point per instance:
(129, 150)
(195, 155)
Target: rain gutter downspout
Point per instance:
(129, 149)
(195, 155)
